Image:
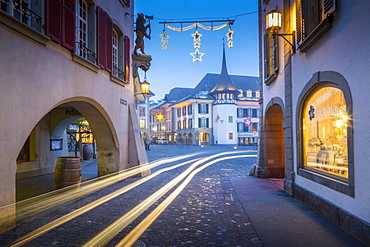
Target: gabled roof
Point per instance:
(177, 93)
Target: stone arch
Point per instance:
(53, 125)
(274, 139)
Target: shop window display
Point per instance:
(325, 126)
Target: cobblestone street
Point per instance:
(206, 211)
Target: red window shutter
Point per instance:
(102, 54)
(69, 21)
(127, 58)
(109, 41)
(54, 20)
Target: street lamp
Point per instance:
(273, 25)
(145, 86)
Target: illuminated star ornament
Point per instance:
(160, 116)
(197, 55)
(164, 40)
(229, 36)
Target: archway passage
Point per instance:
(274, 142)
(49, 139)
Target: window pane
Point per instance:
(325, 132)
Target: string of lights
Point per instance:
(195, 23)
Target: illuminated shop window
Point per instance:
(325, 123)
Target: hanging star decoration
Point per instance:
(160, 116)
(229, 36)
(197, 55)
(164, 40)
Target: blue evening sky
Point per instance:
(174, 67)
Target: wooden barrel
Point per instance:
(88, 151)
(67, 172)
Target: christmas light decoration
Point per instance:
(164, 40)
(229, 36)
(160, 116)
(197, 55)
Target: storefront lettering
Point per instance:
(327, 111)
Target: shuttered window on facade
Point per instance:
(60, 22)
(104, 42)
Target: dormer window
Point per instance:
(258, 94)
(249, 93)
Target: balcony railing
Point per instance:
(19, 10)
(85, 52)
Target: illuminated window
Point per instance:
(325, 124)
(258, 94)
(249, 93)
(142, 124)
(271, 57)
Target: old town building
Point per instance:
(314, 69)
(221, 110)
(60, 61)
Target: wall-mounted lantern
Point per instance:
(273, 25)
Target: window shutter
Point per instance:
(102, 54)
(299, 31)
(207, 122)
(207, 108)
(198, 108)
(109, 41)
(329, 6)
(127, 58)
(199, 123)
(54, 20)
(69, 25)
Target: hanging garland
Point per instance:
(197, 55)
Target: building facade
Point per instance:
(221, 110)
(63, 60)
(314, 123)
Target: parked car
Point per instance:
(162, 141)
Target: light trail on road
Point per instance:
(135, 212)
(38, 232)
(52, 199)
(134, 235)
(111, 231)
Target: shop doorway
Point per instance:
(274, 142)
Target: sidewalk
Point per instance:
(281, 220)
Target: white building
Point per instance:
(221, 109)
(314, 126)
(63, 60)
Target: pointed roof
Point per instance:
(224, 84)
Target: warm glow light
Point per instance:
(273, 21)
(145, 87)
(160, 116)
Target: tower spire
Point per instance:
(224, 84)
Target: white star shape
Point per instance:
(197, 55)
(196, 35)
